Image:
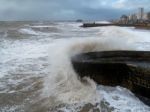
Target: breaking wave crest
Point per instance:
(30, 31)
(62, 82)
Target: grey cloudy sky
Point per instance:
(68, 9)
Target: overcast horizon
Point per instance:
(21, 10)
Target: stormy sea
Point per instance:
(36, 74)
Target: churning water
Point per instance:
(36, 74)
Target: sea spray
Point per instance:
(62, 82)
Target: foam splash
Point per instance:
(30, 31)
(62, 81)
(122, 99)
(41, 26)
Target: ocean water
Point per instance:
(36, 74)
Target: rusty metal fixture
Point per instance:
(130, 69)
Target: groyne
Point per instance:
(143, 26)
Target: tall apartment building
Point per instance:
(141, 15)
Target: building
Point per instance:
(132, 17)
(124, 19)
(141, 15)
(145, 16)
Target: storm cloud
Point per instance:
(68, 9)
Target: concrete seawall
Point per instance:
(130, 69)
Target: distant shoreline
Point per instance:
(137, 26)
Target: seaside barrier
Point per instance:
(141, 26)
(129, 69)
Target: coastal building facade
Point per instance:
(139, 17)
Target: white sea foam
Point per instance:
(41, 26)
(122, 99)
(30, 31)
(18, 52)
